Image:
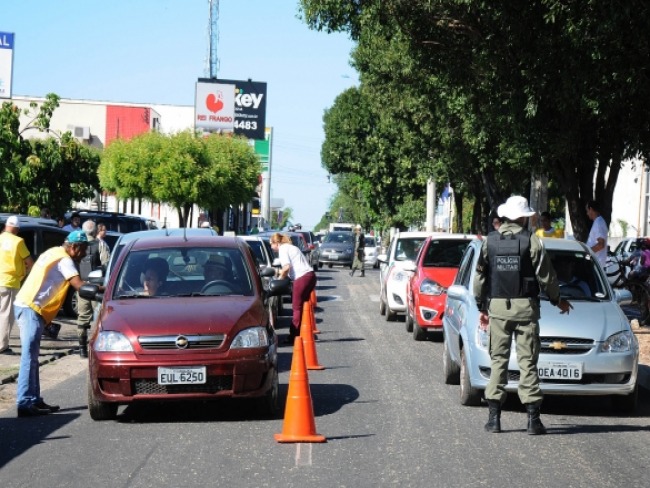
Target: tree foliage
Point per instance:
(496, 91)
(42, 172)
(181, 170)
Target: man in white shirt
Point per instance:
(597, 240)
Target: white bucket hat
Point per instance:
(514, 208)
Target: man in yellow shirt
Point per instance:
(547, 229)
(15, 263)
(36, 305)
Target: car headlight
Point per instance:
(110, 341)
(251, 337)
(400, 275)
(430, 287)
(620, 342)
(482, 338)
(347, 251)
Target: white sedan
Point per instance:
(590, 351)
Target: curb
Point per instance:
(55, 356)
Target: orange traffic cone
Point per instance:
(307, 336)
(299, 424)
(312, 298)
(312, 319)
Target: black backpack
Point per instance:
(91, 261)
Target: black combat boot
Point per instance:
(82, 334)
(363, 273)
(352, 272)
(494, 420)
(83, 347)
(535, 425)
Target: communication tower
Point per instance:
(213, 32)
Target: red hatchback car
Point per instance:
(433, 271)
(183, 318)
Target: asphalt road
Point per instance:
(381, 403)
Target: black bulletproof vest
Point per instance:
(511, 267)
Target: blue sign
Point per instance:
(6, 40)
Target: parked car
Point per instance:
(622, 252)
(196, 339)
(371, 252)
(393, 277)
(39, 235)
(115, 221)
(433, 271)
(310, 239)
(263, 253)
(589, 351)
(337, 248)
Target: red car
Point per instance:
(433, 271)
(200, 331)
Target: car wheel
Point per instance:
(329, 266)
(320, 265)
(450, 369)
(70, 304)
(626, 403)
(99, 410)
(382, 306)
(268, 405)
(408, 322)
(390, 315)
(376, 265)
(419, 334)
(468, 395)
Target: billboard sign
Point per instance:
(248, 106)
(6, 63)
(215, 107)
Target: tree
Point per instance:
(181, 170)
(544, 85)
(43, 172)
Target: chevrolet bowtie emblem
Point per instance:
(558, 345)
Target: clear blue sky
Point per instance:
(153, 51)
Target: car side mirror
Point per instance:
(267, 271)
(96, 277)
(91, 292)
(279, 287)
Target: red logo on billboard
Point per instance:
(213, 102)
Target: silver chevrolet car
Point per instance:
(590, 351)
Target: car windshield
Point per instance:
(173, 272)
(578, 276)
(370, 241)
(339, 238)
(445, 253)
(407, 248)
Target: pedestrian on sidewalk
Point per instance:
(15, 263)
(297, 268)
(359, 251)
(36, 305)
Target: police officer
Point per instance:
(512, 267)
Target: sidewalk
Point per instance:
(51, 350)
